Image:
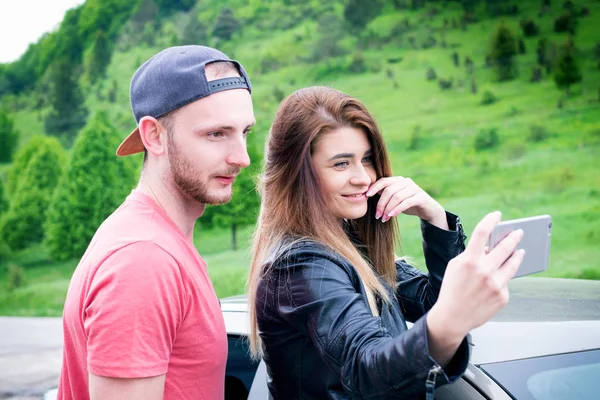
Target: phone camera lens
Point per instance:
(550, 225)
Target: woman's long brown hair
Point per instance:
(293, 207)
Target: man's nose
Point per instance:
(238, 155)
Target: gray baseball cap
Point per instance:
(171, 79)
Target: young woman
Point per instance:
(328, 298)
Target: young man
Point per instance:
(141, 318)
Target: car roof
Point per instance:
(544, 316)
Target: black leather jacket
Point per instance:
(321, 340)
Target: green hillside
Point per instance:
(534, 149)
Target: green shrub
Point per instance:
(22, 158)
(488, 98)
(92, 186)
(431, 75)
(486, 139)
(5, 251)
(22, 224)
(3, 200)
(358, 64)
(415, 138)
(16, 277)
(537, 133)
(9, 137)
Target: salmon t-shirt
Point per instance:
(141, 304)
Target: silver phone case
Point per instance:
(536, 241)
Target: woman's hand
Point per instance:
(401, 195)
(474, 287)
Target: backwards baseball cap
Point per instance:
(171, 79)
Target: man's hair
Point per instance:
(219, 68)
(293, 206)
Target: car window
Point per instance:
(240, 369)
(558, 377)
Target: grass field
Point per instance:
(557, 175)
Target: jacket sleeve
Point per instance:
(417, 291)
(317, 296)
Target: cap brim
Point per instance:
(131, 145)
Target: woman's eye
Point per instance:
(341, 164)
(368, 160)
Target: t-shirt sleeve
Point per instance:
(133, 309)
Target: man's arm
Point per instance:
(105, 388)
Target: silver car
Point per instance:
(544, 345)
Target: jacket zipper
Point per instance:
(430, 382)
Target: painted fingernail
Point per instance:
(368, 194)
(385, 218)
(377, 215)
(391, 214)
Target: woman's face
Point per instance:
(343, 161)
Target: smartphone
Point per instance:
(535, 241)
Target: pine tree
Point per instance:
(502, 53)
(226, 24)
(194, 32)
(567, 70)
(243, 207)
(146, 11)
(3, 200)
(92, 186)
(100, 57)
(9, 137)
(22, 224)
(358, 13)
(68, 112)
(21, 160)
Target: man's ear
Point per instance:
(151, 134)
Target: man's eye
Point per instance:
(215, 134)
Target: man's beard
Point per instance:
(187, 179)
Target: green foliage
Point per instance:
(3, 200)
(538, 133)
(566, 22)
(5, 251)
(226, 24)
(431, 75)
(529, 28)
(16, 277)
(243, 207)
(567, 69)
(145, 11)
(358, 65)
(358, 13)
(175, 5)
(486, 139)
(103, 15)
(488, 98)
(502, 53)
(101, 54)
(21, 160)
(9, 137)
(330, 32)
(194, 32)
(94, 183)
(21, 225)
(415, 138)
(68, 113)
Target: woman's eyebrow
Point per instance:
(341, 155)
